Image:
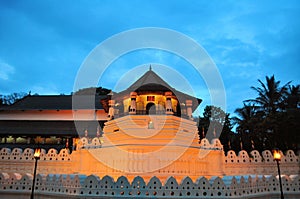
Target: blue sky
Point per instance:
(44, 43)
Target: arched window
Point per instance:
(150, 109)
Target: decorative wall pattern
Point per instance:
(93, 186)
(253, 175)
(256, 163)
(63, 162)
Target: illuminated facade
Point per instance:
(135, 141)
(48, 121)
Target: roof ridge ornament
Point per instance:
(150, 68)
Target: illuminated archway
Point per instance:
(151, 109)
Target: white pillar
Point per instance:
(169, 110)
(132, 109)
(189, 111)
(111, 110)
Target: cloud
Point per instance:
(6, 70)
(45, 42)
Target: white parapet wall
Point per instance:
(15, 185)
(264, 164)
(81, 161)
(77, 175)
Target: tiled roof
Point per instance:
(149, 78)
(57, 102)
(150, 81)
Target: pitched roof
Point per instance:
(55, 102)
(150, 81)
(149, 78)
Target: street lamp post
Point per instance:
(277, 158)
(37, 154)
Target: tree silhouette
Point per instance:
(12, 98)
(92, 91)
(271, 96)
(272, 118)
(293, 97)
(215, 123)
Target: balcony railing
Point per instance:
(144, 112)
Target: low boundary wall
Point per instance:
(15, 185)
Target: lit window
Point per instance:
(151, 98)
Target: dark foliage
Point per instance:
(271, 120)
(11, 98)
(215, 123)
(92, 91)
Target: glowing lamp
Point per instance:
(276, 155)
(277, 158)
(37, 153)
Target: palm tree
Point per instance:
(271, 102)
(293, 97)
(290, 126)
(272, 118)
(249, 128)
(271, 96)
(245, 116)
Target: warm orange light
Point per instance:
(37, 153)
(277, 155)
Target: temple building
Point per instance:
(48, 121)
(141, 142)
(147, 130)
